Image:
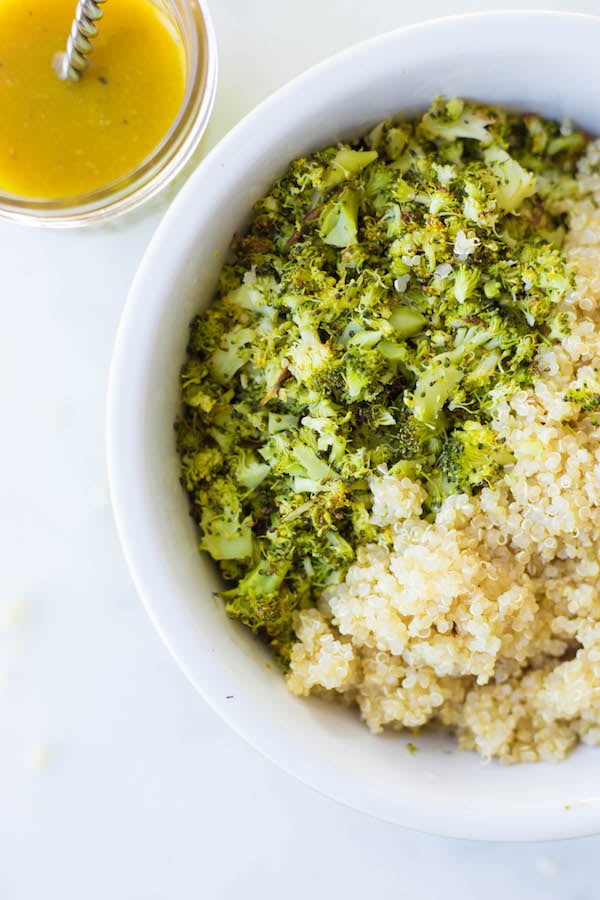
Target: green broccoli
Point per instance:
(346, 164)
(386, 295)
(515, 184)
(585, 393)
(452, 120)
(433, 390)
(473, 455)
(338, 221)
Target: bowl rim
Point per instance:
(207, 674)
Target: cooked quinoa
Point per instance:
(389, 433)
(487, 620)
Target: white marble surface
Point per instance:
(116, 780)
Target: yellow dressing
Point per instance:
(59, 139)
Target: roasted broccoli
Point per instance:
(585, 392)
(386, 295)
(472, 456)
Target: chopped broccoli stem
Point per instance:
(433, 389)
(346, 163)
(339, 219)
(406, 322)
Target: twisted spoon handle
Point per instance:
(70, 66)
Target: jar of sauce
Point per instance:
(72, 153)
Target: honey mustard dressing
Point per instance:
(59, 139)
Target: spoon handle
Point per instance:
(70, 66)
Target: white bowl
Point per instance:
(544, 62)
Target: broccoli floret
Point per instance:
(585, 392)
(248, 470)
(207, 331)
(259, 601)
(466, 279)
(472, 456)
(231, 354)
(449, 121)
(226, 531)
(366, 372)
(390, 138)
(514, 182)
(200, 466)
(405, 436)
(433, 390)
(309, 357)
(587, 399)
(308, 270)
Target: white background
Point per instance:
(117, 782)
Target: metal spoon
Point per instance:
(70, 65)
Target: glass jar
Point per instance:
(192, 23)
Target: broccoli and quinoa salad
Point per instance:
(389, 431)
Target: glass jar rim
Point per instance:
(156, 170)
